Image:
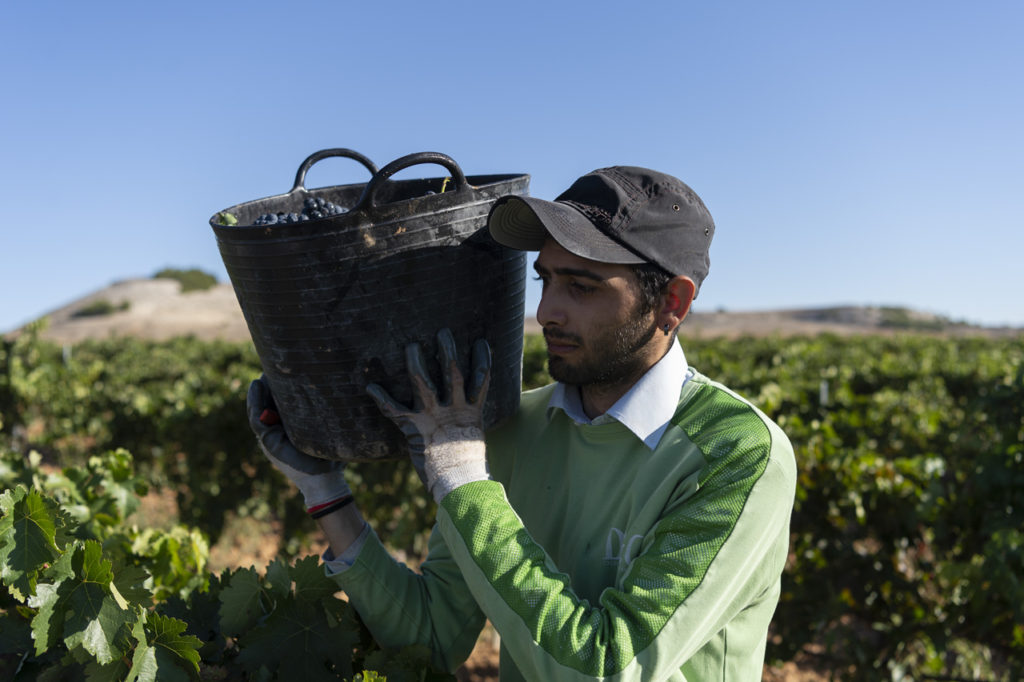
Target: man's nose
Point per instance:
(550, 311)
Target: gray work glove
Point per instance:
(445, 433)
(321, 481)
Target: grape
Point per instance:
(313, 208)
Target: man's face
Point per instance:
(593, 326)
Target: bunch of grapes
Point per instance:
(312, 209)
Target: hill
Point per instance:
(158, 309)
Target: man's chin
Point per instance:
(561, 370)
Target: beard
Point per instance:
(610, 358)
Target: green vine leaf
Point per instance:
(95, 621)
(111, 672)
(243, 602)
(130, 583)
(278, 580)
(46, 628)
(173, 646)
(311, 583)
(28, 532)
(162, 651)
(298, 639)
(201, 612)
(15, 633)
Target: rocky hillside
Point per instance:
(149, 308)
(157, 309)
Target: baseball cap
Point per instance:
(620, 214)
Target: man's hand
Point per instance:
(445, 433)
(322, 482)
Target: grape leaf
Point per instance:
(27, 539)
(48, 623)
(297, 638)
(278, 580)
(202, 614)
(144, 665)
(242, 602)
(311, 583)
(49, 600)
(111, 672)
(61, 569)
(15, 633)
(163, 652)
(130, 582)
(172, 645)
(95, 621)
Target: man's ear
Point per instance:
(675, 302)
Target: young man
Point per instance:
(631, 521)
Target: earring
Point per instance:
(666, 328)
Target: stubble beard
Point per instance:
(610, 359)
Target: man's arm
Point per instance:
(342, 528)
(400, 607)
(713, 556)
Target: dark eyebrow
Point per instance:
(573, 272)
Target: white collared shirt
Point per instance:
(646, 407)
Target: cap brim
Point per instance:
(524, 223)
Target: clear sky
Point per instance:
(861, 152)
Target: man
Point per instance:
(631, 520)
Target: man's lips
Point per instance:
(560, 345)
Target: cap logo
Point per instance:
(595, 214)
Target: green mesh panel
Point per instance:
(601, 641)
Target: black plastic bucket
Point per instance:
(331, 303)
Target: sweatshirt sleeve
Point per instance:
(402, 607)
(708, 558)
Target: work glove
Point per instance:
(445, 433)
(321, 481)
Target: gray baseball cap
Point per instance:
(621, 214)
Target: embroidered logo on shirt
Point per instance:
(617, 548)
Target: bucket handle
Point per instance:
(379, 178)
(300, 176)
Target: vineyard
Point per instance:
(907, 556)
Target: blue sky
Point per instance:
(850, 152)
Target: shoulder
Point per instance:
(728, 429)
(535, 399)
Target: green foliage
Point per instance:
(907, 549)
(535, 362)
(77, 606)
(226, 218)
(100, 307)
(178, 406)
(190, 280)
(70, 602)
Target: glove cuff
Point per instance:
(457, 457)
(326, 508)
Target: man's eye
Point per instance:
(581, 288)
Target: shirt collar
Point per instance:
(646, 407)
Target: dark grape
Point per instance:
(313, 208)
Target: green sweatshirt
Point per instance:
(597, 558)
